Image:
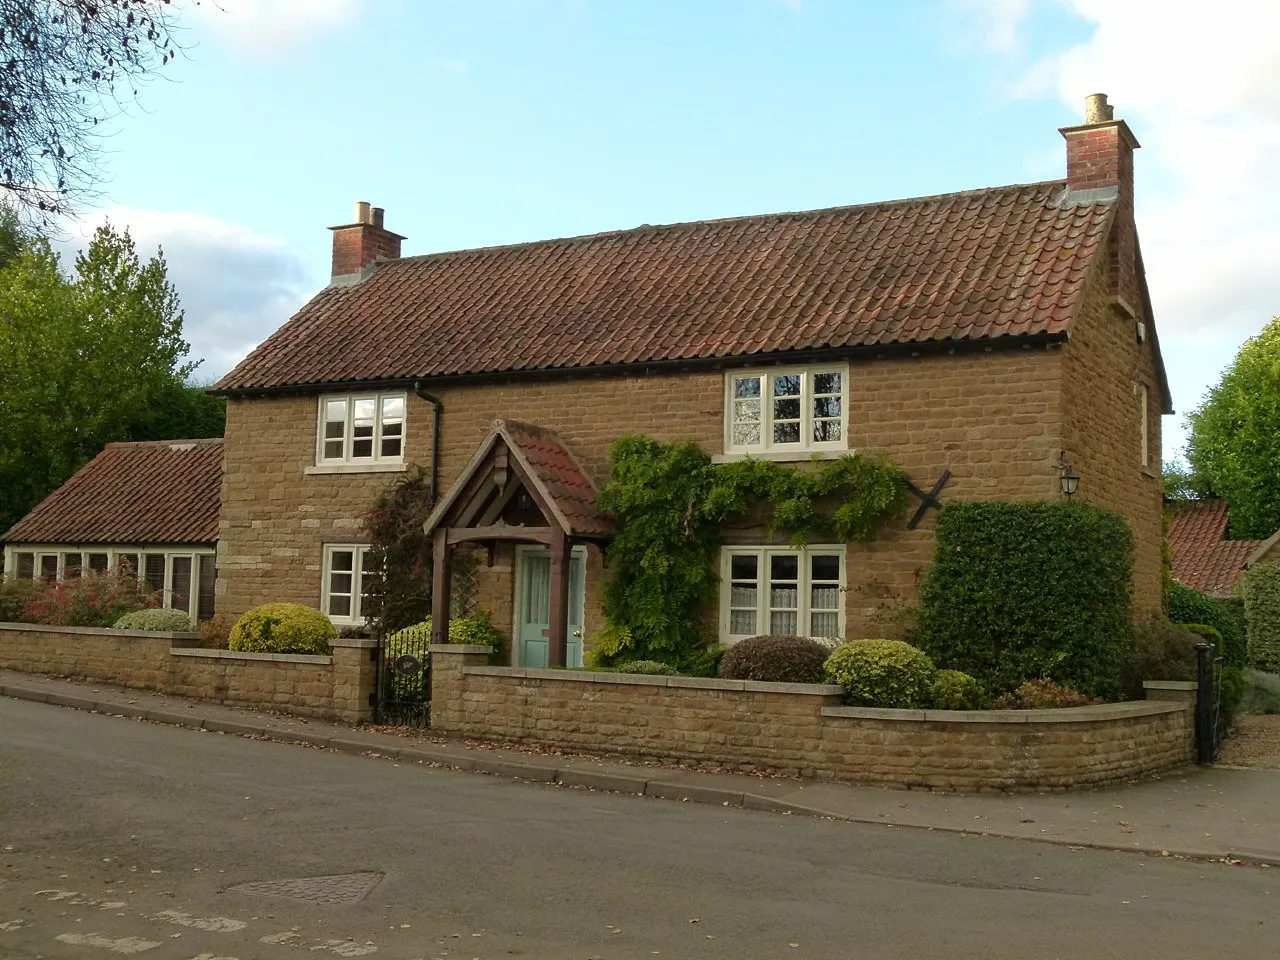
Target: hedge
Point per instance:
(1191, 606)
(1021, 591)
(1261, 587)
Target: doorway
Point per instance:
(533, 606)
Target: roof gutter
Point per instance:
(862, 352)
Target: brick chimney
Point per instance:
(1100, 169)
(358, 246)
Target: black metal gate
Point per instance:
(1209, 729)
(403, 688)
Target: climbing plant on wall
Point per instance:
(671, 503)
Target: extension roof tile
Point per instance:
(133, 493)
(1202, 559)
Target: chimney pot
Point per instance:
(378, 214)
(1097, 110)
(362, 212)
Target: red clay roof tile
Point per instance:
(1203, 560)
(133, 493)
(1002, 262)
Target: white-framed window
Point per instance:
(781, 590)
(786, 409)
(361, 429)
(184, 578)
(343, 589)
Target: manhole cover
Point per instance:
(339, 888)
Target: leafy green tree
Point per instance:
(86, 358)
(1235, 437)
(1182, 484)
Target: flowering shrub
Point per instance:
(14, 597)
(90, 600)
(1043, 694)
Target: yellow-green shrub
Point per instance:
(882, 673)
(956, 690)
(283, 628)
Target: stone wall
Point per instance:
(803, 729)
(335, 687)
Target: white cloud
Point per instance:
(274, 27)
(990, 24)
(1201, 89)
(235, 286)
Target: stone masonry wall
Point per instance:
(991, 418)
(1103, 368)
(335, 687)
(802, 729)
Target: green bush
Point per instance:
(882, 673)
(1261, 692)
(777, 658)
(1160, 651)
(1261, 588)
(704, 662)
(14, 597)
(1043, 694)
(1019, 591)
(1187, 606)
(956, 690)
(283, 628)
(478, 630)
(1230, 694)
(652, 668)
(155, 619)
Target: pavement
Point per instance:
(122, 837)
(1211, 813)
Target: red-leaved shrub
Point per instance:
(91, 600)
(1043, 694)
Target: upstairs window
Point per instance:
(779, 410)
(362, 429)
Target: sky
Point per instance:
(480, 122)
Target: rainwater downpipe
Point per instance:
(437, 408)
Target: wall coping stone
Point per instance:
(99, 631)
(365, 643)
(1090, 714)
(241, 655)
(641, 679)
(460, 648)
(1169, 685)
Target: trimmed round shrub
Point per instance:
(956, 690)
(652, 668)
(283, 628)
(882, 673)
(776, 658)
(156, 619)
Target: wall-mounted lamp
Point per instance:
(1070, 480)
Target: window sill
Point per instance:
(325, 468)
(781, 456)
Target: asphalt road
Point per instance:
(119, 837)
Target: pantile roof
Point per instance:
(1202, 559)
(133, 493)
(980, 265)
(557, 477)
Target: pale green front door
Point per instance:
(533, 601)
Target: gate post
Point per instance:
(1206, 705)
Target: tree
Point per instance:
(1182, 484)
(65, 68)
(1234, 446)
(86, 359)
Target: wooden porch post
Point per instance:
(441, 581)
(559, 627)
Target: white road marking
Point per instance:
(77, 899)
(12, 925)
(343, 948)
(210, 924)
(210, 956)
(119, 945)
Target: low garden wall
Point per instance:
(335, 687)
(804, 729)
